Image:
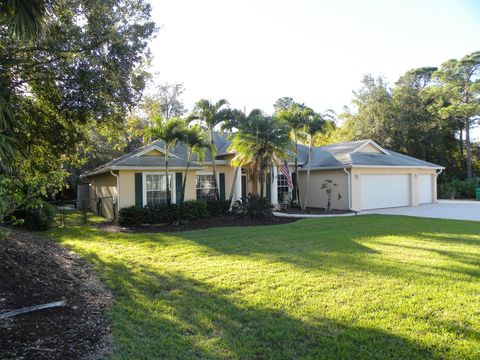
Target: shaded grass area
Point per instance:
(370, 287)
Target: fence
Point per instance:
(83, 212)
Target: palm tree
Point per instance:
(259, 143)
(26, 18)
(196, 144)
(211, 115)
(296, 117)
(238, 120)
(314, 125)
(170, 132)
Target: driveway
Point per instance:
(444, 209)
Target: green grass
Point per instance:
(371, 287)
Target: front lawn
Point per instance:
(371, 287)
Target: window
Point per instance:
(282, 188)
(156, 189)
(205, 187)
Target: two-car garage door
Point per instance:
(385, 190)
(389, 190)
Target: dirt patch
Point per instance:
(35, 270)
(214, 221)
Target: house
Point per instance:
(367, 177)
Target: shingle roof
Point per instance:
(345, 155)
(339, 155)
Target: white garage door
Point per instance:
(425, 190)
(383, 191)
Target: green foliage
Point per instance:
(38, 215)
(254, 207)
(215, 208)
(194, 209)
(328, 186)
(159, 214)
(131, 216)
(458, 189)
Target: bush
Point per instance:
(194, 209)
(458, 189)
(253, 206)
(221, 207)
(36, 216)
(131, 216)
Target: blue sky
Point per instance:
(253, 52)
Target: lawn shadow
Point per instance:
(165, 314)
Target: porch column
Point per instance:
(273, 187)
(238, 185)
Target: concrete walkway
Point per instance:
(444, 209)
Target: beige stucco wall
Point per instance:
(356, 179)
(103, 187)
(127, 182)
(317, 198)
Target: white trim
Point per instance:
(397, 167)
(207, 173)
(324, 168)
(144, 185)
(155, 168)
(150, 148)
(374, 144)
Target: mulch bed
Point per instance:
(209, 222)
(35, 270)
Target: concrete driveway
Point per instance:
(444, 209)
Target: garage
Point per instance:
(385, 190)
(425, 189)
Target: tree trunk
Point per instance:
(182, 197)
(468, 149)
(295, 186)
(214, 167)
(261, 183)
(166, 173)
(307, 185)
(234, 184)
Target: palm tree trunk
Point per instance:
(184, 185)
(234, 184)
(261, 176)
(166, 173)
(307, 185)
(468, 149)
(295, 187)
(214, 167)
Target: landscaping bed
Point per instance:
(34, 270)
(315, 211)
(204, 223)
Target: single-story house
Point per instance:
(366, 176)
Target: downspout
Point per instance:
(436, 184)
(118, 192)
(349, 186)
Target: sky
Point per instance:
(253, 52)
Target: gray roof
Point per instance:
(348, 154)
(339, 155)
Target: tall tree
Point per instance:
(296, 116)
(170, 131)
(314, 125)
(260, 143)
(167, 101)
(59, 85)
(283, 103)
(460, 81)
(211, 115)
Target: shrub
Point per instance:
(221, 207)
(253, 206)
(194, 209)
(458, 189)
(131, 216)
(38, 215)
(161, 214)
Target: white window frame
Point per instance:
(279, 176)
(206, 173)
(173, 189)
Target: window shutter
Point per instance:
(138, 190)
(222, 186)
(269, 186)
(178, 186)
